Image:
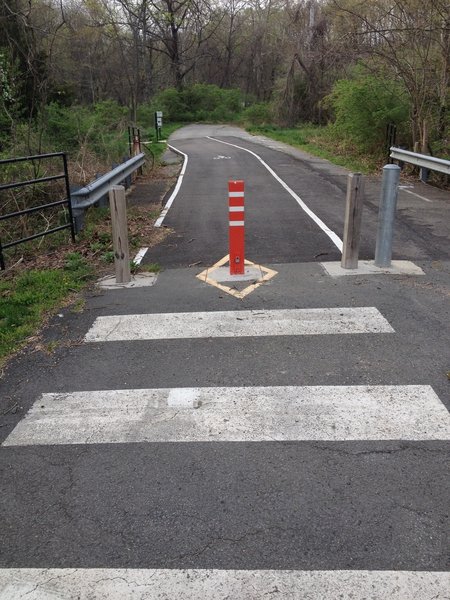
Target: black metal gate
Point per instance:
(26, 211)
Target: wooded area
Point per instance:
(359, 65)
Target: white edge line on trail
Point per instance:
(333, 237)
(169, 202)
(139, 256)
(417, 195)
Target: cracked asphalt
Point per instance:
(360, 505)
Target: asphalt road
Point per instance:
(277, 229)
(350, 505)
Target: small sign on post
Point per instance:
(158, 124)
(236, 227)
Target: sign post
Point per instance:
(158, 124)
(236, 227)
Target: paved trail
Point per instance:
(186, 444)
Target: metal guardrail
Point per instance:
(421, 160)
(93, 192)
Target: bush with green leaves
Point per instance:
(258, 114)
(199, 102)
(364, 105)
(66, 127)
(100, 127)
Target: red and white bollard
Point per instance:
(236, 221)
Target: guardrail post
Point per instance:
(386, 215)
(118, 206)
(352, 224)
(78, 219)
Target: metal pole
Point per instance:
(2, 260)
(129, 141)
(386, 215)
(69, 200)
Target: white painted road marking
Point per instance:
(240, 414)
(418, 196)
(215, 584)
(304, 321)
(333, 237)
(139, 256)
(169, 202)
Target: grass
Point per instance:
(321, 142)
(150, 268)
(157, 149)
(25, 299)
(27, 296)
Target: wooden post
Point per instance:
(352, 225)
(136, 145)
(424, 172)
(118, 205)
(425, 138)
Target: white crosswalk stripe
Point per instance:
(319, 321)
(335, 413)
(193, 584)
(231, 414)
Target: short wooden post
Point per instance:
(352, 225)
(424, 173)
(118, 205)
(136, 145)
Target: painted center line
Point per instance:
(215, 584)
(251, 323)
(333, 236)
(239, 414)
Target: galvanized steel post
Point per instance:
(386, 215)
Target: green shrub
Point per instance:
(108, 115)
(258, 114)
(99, 128)
(364, 105)
(66, 127)
(199, 102)
(172, 104)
